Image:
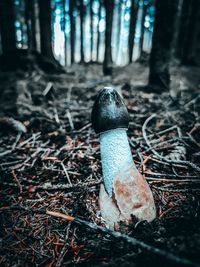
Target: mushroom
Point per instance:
(124, 191)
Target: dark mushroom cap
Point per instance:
(109, 111)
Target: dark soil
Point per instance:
(56, 165)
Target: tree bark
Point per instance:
(82, 21)
(159, 77)
(99, 34)
(91, 29)
(183, 26)
(107, 64)
(30, 23)
(7, 26)
(144, 12)
(73, 29)
(64, 29)
(191, 36)
(45, 16)
(119, 13)
(132, 27)
(198, 49)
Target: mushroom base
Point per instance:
(131, 195)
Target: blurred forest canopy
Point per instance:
(112, 32)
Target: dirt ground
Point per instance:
(54, 164)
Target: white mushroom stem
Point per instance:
(115, 155)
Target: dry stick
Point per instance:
(16, 141)
(48, 88)
(175, 190)
(83, 128)
(66, 173)
(49, 186)
(56, 117)
(157, 174)
(167, 164)
(161, 132)
(70, 120)
(64, 248)
(13, 146)
(17, 181)
(131, 240)
(188, 163)
(154, 179)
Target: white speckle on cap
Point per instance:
(115, 155)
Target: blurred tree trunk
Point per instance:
(45, 16)
(107, 64)
(72, 4)
(7, 26)
(183, 26)
(30, 23)
(119, 14)
(82, 21)
(132, 27)
(144, 12)
(176, 28)
(64, 29)
(188, 32)
(18, 9)
(91, 29)
(99, 34)
(198, 49)
(190, 43)
(159, 77)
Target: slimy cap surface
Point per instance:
(109, 111)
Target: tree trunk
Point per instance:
(107, 64)
(30, 23)
(183, 26)
(119, 13)
(82, 21)
(191, 36)
(7, 26)
(144, 12)
(45, 16)
(132, 27)
(159, 77)
(64, 29)
(91, 29)
(73, 29)
(99, 34)
(176, 27)
(198, 49)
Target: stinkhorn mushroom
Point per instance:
(124, 191)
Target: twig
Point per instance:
(84, 128)
(17, 181)
(66, 173)
(70, 120)
(172, 180)
(34, 136)
(52, 187)
(48, 88)
(188, 163)
(176, 175)
(64, 248)
(175, 190)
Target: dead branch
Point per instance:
(131, 240)
(157, 155)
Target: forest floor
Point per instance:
(55, 165)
